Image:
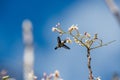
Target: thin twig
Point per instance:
(101, 45)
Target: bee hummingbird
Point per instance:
(61, 44)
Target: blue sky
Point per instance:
(91, 16)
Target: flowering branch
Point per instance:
(83, 40)
(5, 76)
(52, 76)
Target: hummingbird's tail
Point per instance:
(55, 48)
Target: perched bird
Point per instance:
(61, 44)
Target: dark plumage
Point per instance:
(61, 44)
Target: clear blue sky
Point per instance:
(91, 16)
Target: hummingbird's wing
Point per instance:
(58, 40)
(66, 47)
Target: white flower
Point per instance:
(50, 76)
(58, 24)
(35, 77)
(54, 29)
(87, 35)
(98, 78)
(58, 30)
(44, 74)
(76, 41)
(68, 40)
(56, 74)
(73, 27)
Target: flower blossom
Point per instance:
(58, 24)
(54, 29)
(58, 30)
(68, 40)
(76, 41)
(3, 73)
(52, 76)
(35, 77)
(87, 35)
(56, 74)
(73, 27)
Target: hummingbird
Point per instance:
(61, 44)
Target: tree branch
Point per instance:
(101, 45)
(89, 64)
